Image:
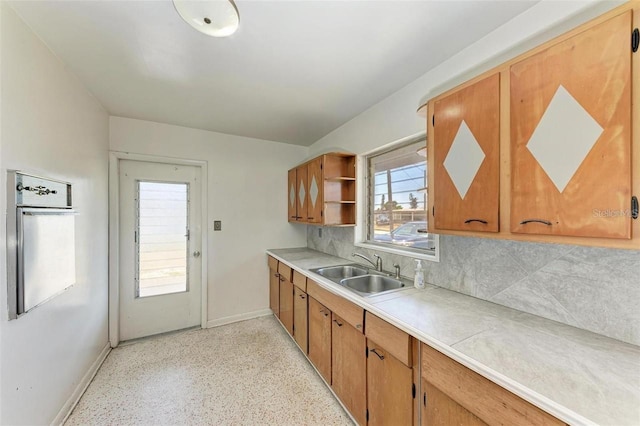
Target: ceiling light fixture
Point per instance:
(217, 18)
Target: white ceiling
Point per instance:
(294, 71)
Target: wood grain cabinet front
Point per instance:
(320, 338)
(274, 286)
(323, 191)
(286, 297)
(466, 127)
(571, 135)
(454, 394)
(349, 367)
(300, 318)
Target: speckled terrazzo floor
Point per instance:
(247, 373)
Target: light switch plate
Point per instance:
(217, 225)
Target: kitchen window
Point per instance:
(396, 201)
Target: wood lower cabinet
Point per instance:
(286, 297)
(320, 338)
(274, 286)
(440, 410)
(300, 318)
(349, 367)
(468, 393)
(389, 388)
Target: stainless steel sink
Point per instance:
(372, 284)
(337, 273)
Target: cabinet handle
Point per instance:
(337, 323)
(302, 296)
(310, 218)
(424, 399)
(281, 278)
(376, 352)
(476, 220)
(544, 222)
(293, 217)
(323, 312)
(276, 275)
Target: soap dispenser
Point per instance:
(418, 279)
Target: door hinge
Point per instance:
(367, 414)
(634, 207)
(366, 352)
(433, 120)
(413, 390)
(424, 399)
(321, 213)
(433, 211)
(635, 40)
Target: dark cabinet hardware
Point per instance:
(476, 220)
(542, 221)
(377, 353)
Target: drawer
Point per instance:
(284, 271)
(273, 263)
(299, 280)
(391, 338)
(348, 311)
(488, 401)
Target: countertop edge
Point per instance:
(561, 412)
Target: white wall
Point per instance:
(53, 127)
(247, 190)
(395, 117)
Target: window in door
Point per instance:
(161, 238)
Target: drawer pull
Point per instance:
(476, 220)
(276, 275)
(323, 312)
(302, 296)
(376, 352)
(310, 218)
(337, 323)
(281, 278)
(542, 221)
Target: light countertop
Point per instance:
(576, 375)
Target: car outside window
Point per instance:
(397, 198)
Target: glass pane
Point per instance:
(398, 198)
(162, 238)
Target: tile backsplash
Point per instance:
(596, 289)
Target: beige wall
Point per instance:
(52, 126)
(247, 190)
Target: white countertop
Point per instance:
(576, 375)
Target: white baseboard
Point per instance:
(71, 403)
(239, 317)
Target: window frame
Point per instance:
(365, 213)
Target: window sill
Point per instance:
(414, 254)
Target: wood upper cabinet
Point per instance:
(455, 394)
(466, 157)
(349, 367)
(292, 196)
(324, 190)
(571, 135)
(300, 318)
(315, 187)
(320, 338)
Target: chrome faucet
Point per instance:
(397, 268)
(377, 263)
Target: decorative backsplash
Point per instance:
(596, 289)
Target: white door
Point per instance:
(160, 242)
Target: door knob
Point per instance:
(196, 253)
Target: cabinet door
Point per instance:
(315, 193)
(320, 338)
(571, 135)
(302, 187)
(466, 164)
(274, 292)
(389, 388)
(440, 410)
(300, 318)
(286, 304)
(292, 196)
(348, 368)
